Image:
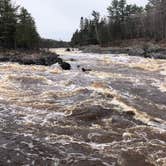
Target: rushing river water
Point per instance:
(114, 114)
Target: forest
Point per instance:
(124, 22)
(18, 29)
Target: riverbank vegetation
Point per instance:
(33, 57)
(124, 22)
(18, 29)
(20, 42)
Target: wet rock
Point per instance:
(136, 52)
(86, 70)
(73, 60)
(158, 55)
(149, 51)
(78, 66)
(90, 113)
(65, 66)
(34, 58)
(68, 49)
(129, 113)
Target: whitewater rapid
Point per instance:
(112, 114)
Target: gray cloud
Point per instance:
(58, 19)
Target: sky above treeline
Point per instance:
(58, 19)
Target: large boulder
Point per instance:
(65, 66)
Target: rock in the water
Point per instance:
(159, 55)
(136, 52)
(90, 113)
(65, 65)
(34, 58)
(86, 70)
(68, 49)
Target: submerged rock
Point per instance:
(90, 113)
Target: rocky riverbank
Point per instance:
(147, 50)
(33, 58)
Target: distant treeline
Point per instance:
(49, 43)
(18, 29)
(124, 21)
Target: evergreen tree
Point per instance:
(96, 18)
(82, 23)
(17, 29)
(26, 34)
(125, 21)
(8, 21)
(122, 24)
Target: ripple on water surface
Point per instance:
(106, 116)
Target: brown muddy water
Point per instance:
(111, 115)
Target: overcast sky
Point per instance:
(58, 19)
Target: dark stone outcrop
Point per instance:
(68, 49)
(33, 58)
(156, 53)
(86, 70)
(136, 52)
(64, 65)
(146, 50)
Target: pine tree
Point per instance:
(126, 22)
(26, 34)
(8, 21)
(82, 23)
(96, 18)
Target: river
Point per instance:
(113, 114)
